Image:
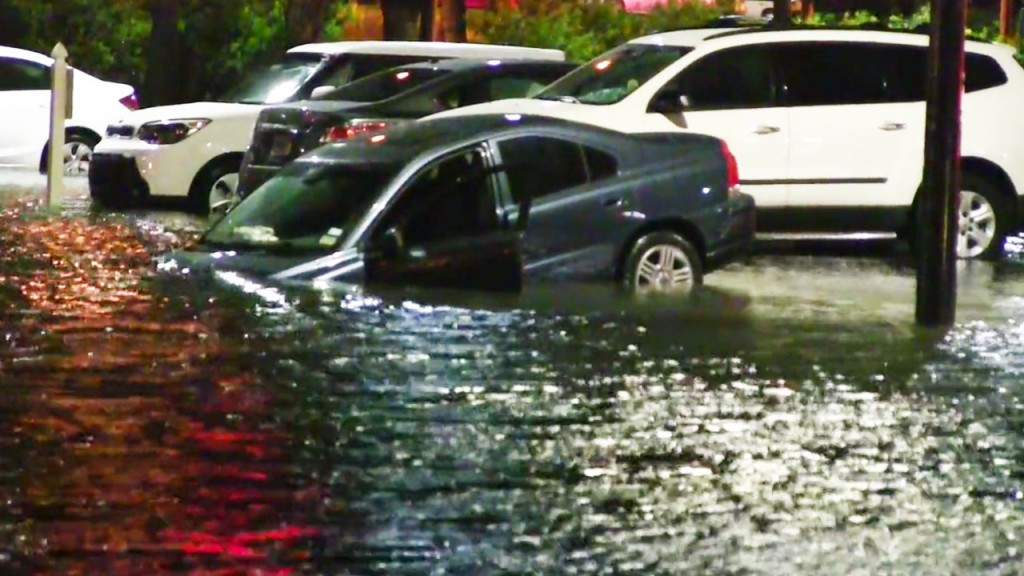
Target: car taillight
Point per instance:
(732, 171)
(352, 129)
(130, 101)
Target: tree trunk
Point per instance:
(455, 20)
(402, 19)
(781, 13)
(12, 29)
(807, 9)
(305, 19)
(164, 82)
(427, 13)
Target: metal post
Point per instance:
(58, 110)
(937, 227)
(782, 13)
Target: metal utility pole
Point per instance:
(937, 226)
(782, 13)
(60, 110)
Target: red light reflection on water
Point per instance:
(127, 472)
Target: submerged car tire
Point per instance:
(215, 182)
(983, 219)
(663, 262)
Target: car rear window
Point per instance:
(384, 85)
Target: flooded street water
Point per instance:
(788, 419)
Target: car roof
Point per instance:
(756, 34)
(428, 49)
(460, 64)
(11, 52)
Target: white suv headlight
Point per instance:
(171, 131)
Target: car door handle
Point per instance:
(766, 129)
(612, 202)
(890, 126)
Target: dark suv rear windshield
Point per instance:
(613, 75)
(384, 85)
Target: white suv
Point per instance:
(195, 150)
(827, 125)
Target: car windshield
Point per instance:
(275, 83)
(384, 85)
(613, 75)
(306, 208)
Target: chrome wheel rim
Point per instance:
(223, 193)
(977, 224)
(664, 268)
(77, 157)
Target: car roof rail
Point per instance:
(778, 26)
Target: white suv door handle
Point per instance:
(890, 126)
(766, 129)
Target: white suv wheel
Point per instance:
(977, 223)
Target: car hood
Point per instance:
(260, 263)
(209, 110)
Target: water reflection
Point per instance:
(789, 420)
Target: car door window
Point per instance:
(837, 73)
(21, 75)
(449, 200)
(727, 79)
(538, 166)
(513, 87)
(907, 73)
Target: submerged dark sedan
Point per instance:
(483, 202)
(401, 94)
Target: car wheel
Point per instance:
(78, 149)
(983, 219)
(215, 188)
(662, 262)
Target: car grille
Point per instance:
(121, 130)
(275, 145)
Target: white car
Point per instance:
(195, 150)
(25, 111)
(827, 125)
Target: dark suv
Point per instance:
(401, 94)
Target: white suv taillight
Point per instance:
(130, 101)
(732, 171)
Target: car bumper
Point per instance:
(113, 176)
(737, 243)
(166, 170)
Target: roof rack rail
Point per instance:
(732, 26)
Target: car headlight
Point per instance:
(171, 131)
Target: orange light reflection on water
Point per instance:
(127, 472)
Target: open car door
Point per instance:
(444, 231)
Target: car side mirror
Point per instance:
(321, 91)
(390, 244)
(670, 102)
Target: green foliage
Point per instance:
(110, 38)
(583, 30)
(107, 40)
